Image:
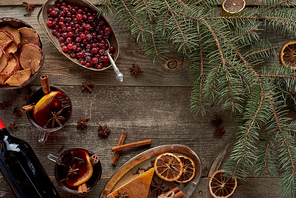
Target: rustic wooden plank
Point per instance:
(252, 187)
(40, 2)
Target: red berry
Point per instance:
(64, 48)
(87, 26)
(70, 46)
(99, 66)
(82, 36)
(79, 16)
(87, 64)
(112, 49)
(105, 59)
(94, 50)
(94, 60)
(49, 24)
(69, 40)
(107, 30)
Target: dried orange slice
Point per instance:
(168, 167)
(288, 54)
(222, 186)
(188, 171)
(233, 6)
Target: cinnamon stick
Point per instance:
(82, 190)
(27, 108)
(131, 145)
(117, 153)
(45, 84)
(177, 193)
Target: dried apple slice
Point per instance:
(3, 60)
(28, 35)
(11, 48)
(14, 32)
(30, 57)
(12, 66)
(2, 80)
(19, 77)
(5, 38)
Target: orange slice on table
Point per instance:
(188, 171)
(168, 167)
(233, 6)
(288, 54)
(221, 185)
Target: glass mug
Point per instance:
(72, 168)
(45, 130)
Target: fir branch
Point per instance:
(131, 15)
(260, 51)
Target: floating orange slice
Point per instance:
(168, 167)
(188, 171)
(222, 186)
(288, 54)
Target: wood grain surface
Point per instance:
(155, 105)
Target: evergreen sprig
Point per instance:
(227, 56)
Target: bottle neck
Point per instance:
(3, 130)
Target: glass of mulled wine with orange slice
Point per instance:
(77, 170)
(50, 111)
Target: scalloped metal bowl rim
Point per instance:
(51, 37)
(167, 148)
(25, 24)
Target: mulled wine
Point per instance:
(76, 167)
(51, 111)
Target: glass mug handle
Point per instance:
(52, 157)
(42, 137)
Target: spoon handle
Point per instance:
(119, 75)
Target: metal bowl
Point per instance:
(17, 23)
(42, 18)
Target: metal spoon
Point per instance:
(119, 75)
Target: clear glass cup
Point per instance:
(44, 131)
(66, 160)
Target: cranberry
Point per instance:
(87, 26)
(79, 55)
(107, 30)
(69, 14)
(101, 51)
(79, 16)
(99, 66)
(88, 46)
(79, 49)
(112, 49)
(82, 36)
(69, 40)
(94, 50)
(65, 35)
(69, 28)
(49, 24)
(71, 34)
(99, 37)
(90, 19)
(87, 64)
(82, 62)
(78, 39)
(84, 16)
(62, 13)
(101, 59)
(64, 29)
(85, 42)
(75, 20)
(54, 32)
(101, 23)
(88, 59)
(102, 45)
(61, 24)
(49, 10)
(105, 59)
(88, 37)
(65, 48)
(54, 13)
(85, 9)
(69, 51)
(58, 34)
(79, 11)
(73, 55)
(70, 46)
(94, 60)
(61, 40)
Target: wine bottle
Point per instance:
(22, 169)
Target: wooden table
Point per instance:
(155, 105)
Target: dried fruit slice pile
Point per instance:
(171, 167)
(20, 55)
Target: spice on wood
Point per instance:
(120, 142)
(132, 145)
(94, 159)
(29, 7)
(103, 131)
(13, 126)
(135, 70)
(219, 131)
(82, 123)
(87, 86)
(5, 105)
(217, 121)
(56, 118)
(157, 187)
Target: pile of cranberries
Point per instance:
(81, 33)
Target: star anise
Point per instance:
(56, 117)
(217, 121)
(13, 126)
(219, 131)
(72, 171)
(87, 86)
(5, 105)
(121, 194)
(28, 7)
(136, 70)
(158, 187)
(82, 123)
(103, 131)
